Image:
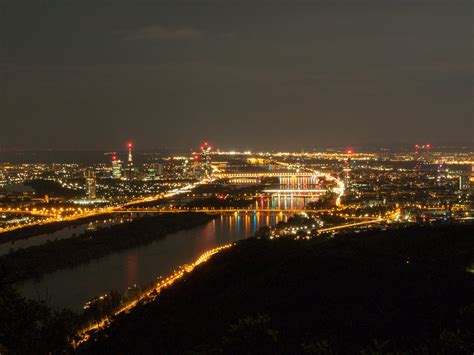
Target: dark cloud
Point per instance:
(240, 73)
(157, 32)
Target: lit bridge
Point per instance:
(263, 174)
(367, 219)
(215, 210)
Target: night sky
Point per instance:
(241, 74)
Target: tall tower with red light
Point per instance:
(347, 167)
(130, 157)
(130, 168)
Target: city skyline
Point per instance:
(236, 177)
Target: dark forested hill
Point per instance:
(406, 290)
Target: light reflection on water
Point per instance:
(71, 288)
(286, 201)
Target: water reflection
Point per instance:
(71, 288)
(132, 269)
(63, 233)
(287, 200)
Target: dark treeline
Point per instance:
(51, 188)
(405, 290)
(31, 327)
(36, 260)
(327, 200)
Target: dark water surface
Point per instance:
(71, 288)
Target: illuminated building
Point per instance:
(90, 184)
(116, 167)
(187, 169)
(153, 171)
(464, 183)
(206, 159)
(159, 169)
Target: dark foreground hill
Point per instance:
(407, 290)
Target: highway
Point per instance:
(350, 225)
(59, 217)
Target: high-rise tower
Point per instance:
(116, 167)
(90, 184)
(130, 158)
(206, 159)
(130, 169)
(347, 169)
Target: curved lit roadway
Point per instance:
(102, 211)
(150, 295)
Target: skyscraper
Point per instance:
(206, 159)
(116, 167)
(464, 182)
(130, 157)
(130, 170)
(90, 184)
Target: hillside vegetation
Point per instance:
(404, 290)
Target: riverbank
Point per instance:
(33, 262)
(49, 227)
(148, 295)
(405, 290)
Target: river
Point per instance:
(62, 233)
(71, 288)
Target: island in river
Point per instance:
(37, 260)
